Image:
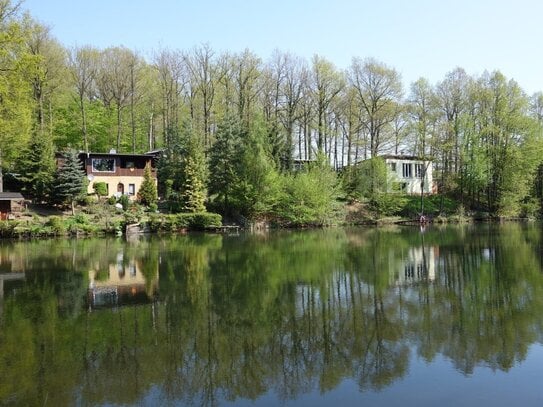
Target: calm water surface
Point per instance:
(398, 317)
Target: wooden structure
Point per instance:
(11, 203)
(122, 174)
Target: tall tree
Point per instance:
(379, 90)
(16, 66)
(49, 75)
(246, 71)
(36, 167)
(83, 64)
(194, 192)
(422, 113)
(114, 83)
(291, 93)
(147, 194)
(222, 163)
(70, 177)
(326, 83)
(173, 79)
(203, 77)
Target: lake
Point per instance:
(393, 316)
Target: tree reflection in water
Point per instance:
(228, 318)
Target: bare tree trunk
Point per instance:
(118, 128)
(1, 174)
(151, 132)
(84, 123)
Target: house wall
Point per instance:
(128, 170)
(113, 181)
(9, 208)
(410, 184)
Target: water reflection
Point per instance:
(122, 282)
(209, 319)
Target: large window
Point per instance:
(407, 170)
(103, 165)
(419, 170)
(131, 189)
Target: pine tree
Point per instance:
(194, 192)
(69, 184)
(147, 194)
(37, 168)
(223, 158)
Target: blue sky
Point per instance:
(417, 37)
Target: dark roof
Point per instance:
(10, 196)
(404, 157)
(146, 155)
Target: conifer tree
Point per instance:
(194, 191)
(70, 179)
(37, 168)
(147, 194)
(223, 156)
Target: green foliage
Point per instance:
(434, 205)
(100, 188)
(175, 222)
(16, 107)
(124, 200)
(57, 224)
(309, 197)
(147, 193)
(193, 192)
(36, 167)
(366, 179)
(389, 204)
(243, 176)
(69, 183)
(7, 228)
(223, 160)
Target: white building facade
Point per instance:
(407, 174)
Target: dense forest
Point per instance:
(232, 124)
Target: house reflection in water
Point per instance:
(418, 265)
(122, 283)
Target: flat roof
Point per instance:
(146, 155)
(10, 196)
(404, 157)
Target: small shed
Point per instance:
(10, 203)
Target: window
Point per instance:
(407, 170)
(131, 189)
(393, 167)
(419, 170)
(103, 165)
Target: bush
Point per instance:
(124, 201)
(199, 220)
(193, 221)
(100, 188)
(389, 204)
(57, 225)
(309, 197)
(530, 209)
(7, 228)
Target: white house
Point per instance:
(407, 173)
